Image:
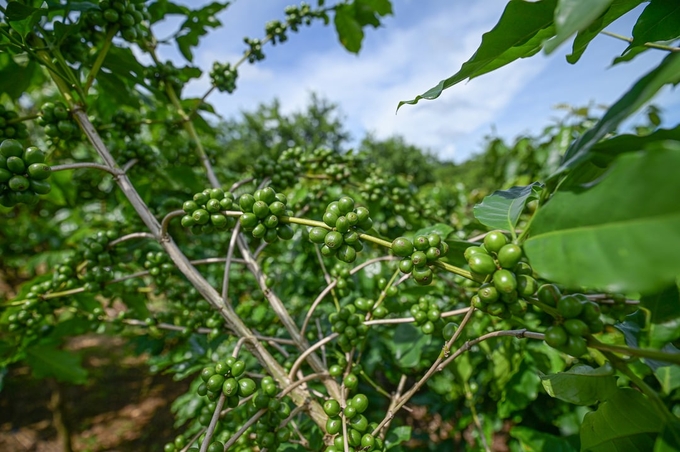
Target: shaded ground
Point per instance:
(123, 408)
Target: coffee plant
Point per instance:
(315, 298)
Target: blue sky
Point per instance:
(422, 43)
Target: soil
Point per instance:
(122, 408)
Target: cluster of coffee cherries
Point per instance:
(506, 280)
(126, 14)
(254, 51)
(268, 434)
(359, 436)
(23, 174)
(295, 16)
(332, 164)
(618, 309)
(350, 326)
(302, 14)
(28, 317)
(283, 172)
(347, 222)
(57, 121)
(9, 127)
(419, 255)
(91, 266)
(125, 124)
(223, 77)
(578, 318)
(343, 281)
(142, 152)
(226, 377)
(158, 265)
(427, 314)
(98, 254)
(204, 212)
(165, 75)
(262, 212)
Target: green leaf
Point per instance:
(625, 422)
(660, 21)
(669, 439)
(163, 8)
(605, 150)
(581, 385)
(512, 38)
(667, 72)
(617, 9)
(456, 252)
(534, 441)
(669, 377)
(663, 333)
(15, 79)
(663, 306)
(397, 436)
(381, 7)
(48, 361)
(630, 55)
(619, 235)
(407, 344)
(18, 11)
(519, 392)
(572, 16)
(196, 25)
(502, 208)
(444, 230)
(348, 28)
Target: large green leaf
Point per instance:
(625, 422)
(506, 42)
(535, 441)
(660, 21)
(620, 235)
(667, 72)
(572, 16)
(48, 361)
(348, 28)
(581, 385)
(502, 208)
(617, 9)
(351, 18)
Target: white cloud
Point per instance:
(397, 62)
(423, 43)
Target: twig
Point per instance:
(411, 319)
(428, 374)
(237, 347)
(92, 165)
(306, 353)
(651, 45)
(227, 265)
(166, 221)
(132, 236)
(213, 422)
